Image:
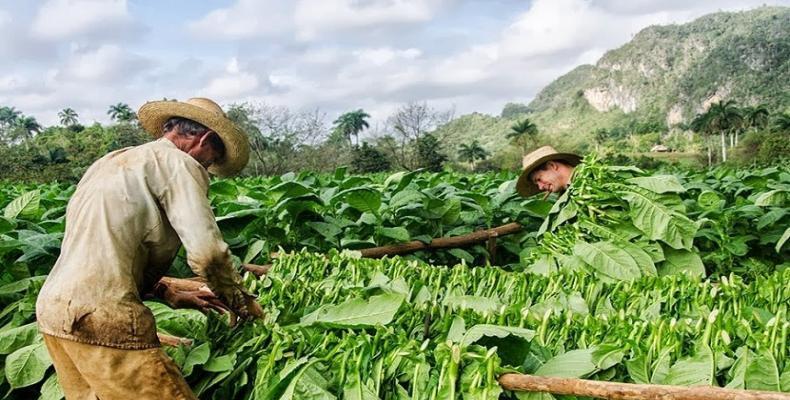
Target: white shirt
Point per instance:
(128, 217)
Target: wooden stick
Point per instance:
(629, 391)
(257, 270)
(480, 236)
(441, 243)
(492, 247)
(172, 341)
(184, 284)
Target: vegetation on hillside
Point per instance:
(648, 91)
(668, 74)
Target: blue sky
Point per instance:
(334, 55)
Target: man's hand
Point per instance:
(183, 293)
(188, 293)
(202, 299)
(254, 308)
(243, 306)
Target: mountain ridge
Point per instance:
(669, 73)
(656, 83)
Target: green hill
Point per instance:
(661, 79)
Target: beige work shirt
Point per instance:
(124, 225)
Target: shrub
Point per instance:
(367, 158)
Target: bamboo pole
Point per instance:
(629, 391)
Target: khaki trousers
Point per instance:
(90, 372)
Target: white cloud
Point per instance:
(104, 64)
(677, 7)
(282, 79)
(333, 54)
(5, 19)
(551, 27)
(16, 42)
(316, 16)
(64, 19)
(384, 55)
(590, 56)
(234, 82)
(10, 83)
(469, 66)
(339, 79)
(307, 20)
(245, 19)
(323, 55)
(641, 6)
(88, 79)
(548, 39)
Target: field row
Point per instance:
(735, 220)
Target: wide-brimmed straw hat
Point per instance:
(154, 114)
(525, 186)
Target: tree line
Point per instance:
(281, 140)
(724, 132)
(414, 136)
(729, 121)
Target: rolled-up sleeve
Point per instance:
(185, 202)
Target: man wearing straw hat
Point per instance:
(546, 170)
(130, 213)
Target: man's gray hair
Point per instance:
(188, 127)
(185, 126)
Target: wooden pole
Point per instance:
(486, 235)
(442, 243)
(629, 391)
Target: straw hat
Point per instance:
(154, 114)
(525, 186)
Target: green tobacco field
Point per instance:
(672, 277)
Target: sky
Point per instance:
(331, 55)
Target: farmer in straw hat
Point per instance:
(546, 170)
(129, 215)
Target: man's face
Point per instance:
(204, 152)
(551, 177)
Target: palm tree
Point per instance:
(27, 126)
(725, 117)
(471, 153)
(68, 117)
(351, 124)
(9, 115)
(523, 133)
(756, 117)
(781, 123)
(701, 125)
(8, 118)
(121, 112)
